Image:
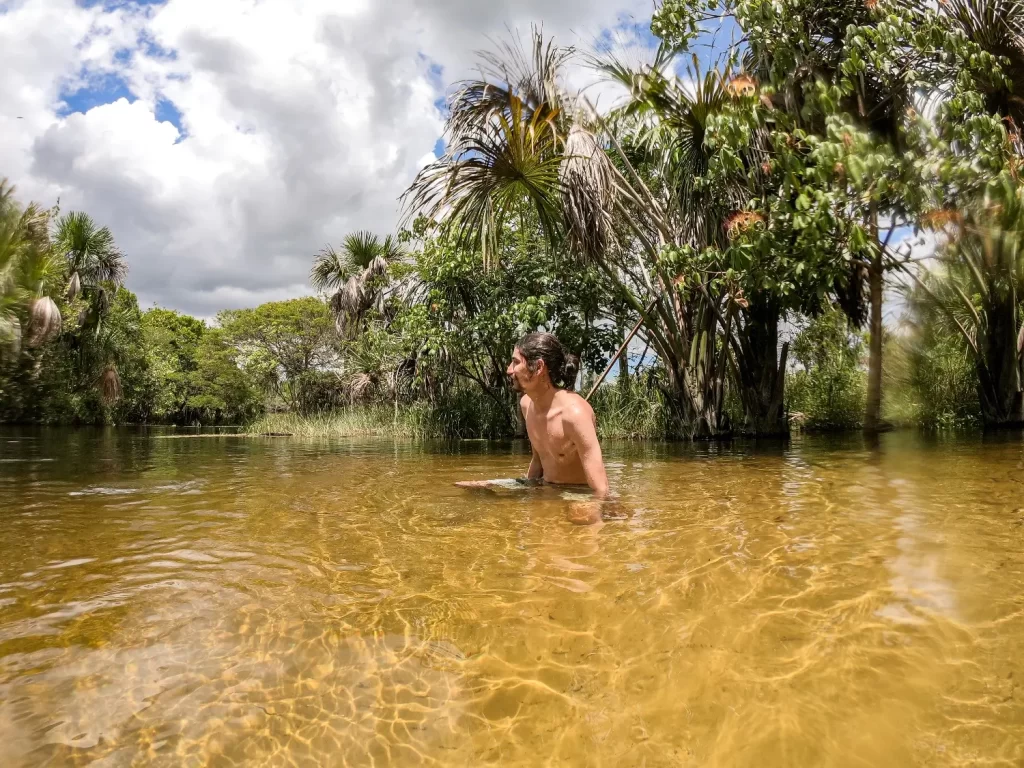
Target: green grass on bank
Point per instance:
(465, 416)
(637, 411)
(630, 412)
(359, 421)
(622, 413)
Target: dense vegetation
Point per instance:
(749, 216)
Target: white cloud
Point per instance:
(302, 120)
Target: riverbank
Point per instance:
(357, 421)
(620, 416)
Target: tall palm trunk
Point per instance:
(876, 279)
(624, 357)
(761, 372)
(999, 368)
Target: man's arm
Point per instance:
(584, 438)
(536, 470)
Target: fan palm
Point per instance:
(517, 134)
(96, 266)
(506, 133)
(355, 275)
(975, 294)
(25, 260)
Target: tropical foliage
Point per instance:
(839, 152)
(25, 265)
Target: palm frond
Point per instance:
(360, 248)
(392, 249)
(10, 334)
(74, 286)
(90, 251)
(376, 269)
(993, 24)
(44, 321)
(474, 189)
(110, 265)
(330, 270)
(509, 73)
(360, 385)
(109, 385)
(349, 304)
(25, 262)
(980, 271)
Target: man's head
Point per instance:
(539, 361)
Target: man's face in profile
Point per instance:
(519, 372)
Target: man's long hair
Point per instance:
(561, 364)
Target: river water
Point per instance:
(186, 601)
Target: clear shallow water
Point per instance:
(232, 601)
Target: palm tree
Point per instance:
(96, 267)
(619, 190)
(355, 275)
(25, 262)
(975, 294)
(96, 270)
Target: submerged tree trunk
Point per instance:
(873, 412)
(761, 372)
(999, 371)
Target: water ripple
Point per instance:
(176, 602)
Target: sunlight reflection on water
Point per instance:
(256, 602)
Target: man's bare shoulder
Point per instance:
(575, 408)
(525, 402)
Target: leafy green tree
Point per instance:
(219, 389)
(284, 343)
(172, 344)
(471, 318)
(828, 391)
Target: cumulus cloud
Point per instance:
(224, 143)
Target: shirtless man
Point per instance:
(560, 423)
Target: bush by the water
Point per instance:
(631, 409)
(932, 381)
(828, 391)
